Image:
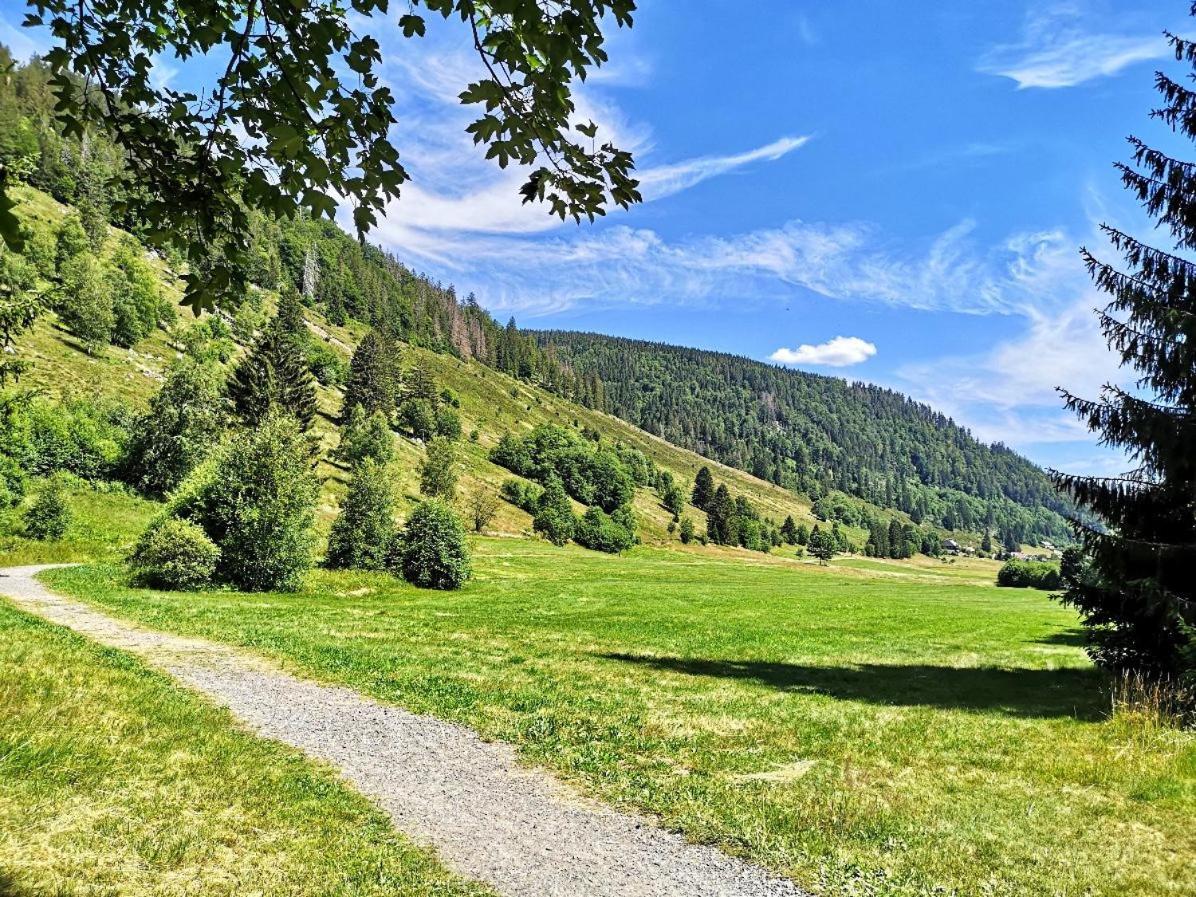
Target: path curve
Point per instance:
(517, 829)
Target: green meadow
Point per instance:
(113, 780)
(868, 728)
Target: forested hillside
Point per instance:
(334, 272)
(849, 448)
(818, 435)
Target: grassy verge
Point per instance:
(890, 731)
(112, 781)
(105, 523)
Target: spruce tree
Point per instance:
(789, 531)
(373, 376)
(721, 525)
(703, 489)
(1136, 584)
(274, 374)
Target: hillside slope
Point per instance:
(816, 434)
(492, 403)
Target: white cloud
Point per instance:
(839, 352)
(620, 265)
(665, 180)
(1056, 51)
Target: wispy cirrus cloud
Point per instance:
(842, 351)
(1056, 50)
(665, 180)
(625, 266)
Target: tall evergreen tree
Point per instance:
(789, 531)
(373, 375)
(720, 518)
(1136, 587)
(703, 489)
(274, 374)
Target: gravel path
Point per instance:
(517, 829)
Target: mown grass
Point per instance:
(105, 522)
(114, 781)
(867, 732)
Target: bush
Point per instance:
(602, 532)
(174, 554)
(418, 418)
(48, 517)
(326, 363)
(448, 424)
(687, 530)
(365, 437)
(257, 501)
(523, 495)
(554, 517)
(1017, 574)
(362, 534)
(430, 552)
(438, 472)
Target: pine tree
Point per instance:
(274, 374)
(1135, 587)
(373, 375)
(789, 531)
(703, 489)
(720, 518)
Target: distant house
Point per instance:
(950, 545)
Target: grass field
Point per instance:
(868, 728)
(104, 525)
(115, 781)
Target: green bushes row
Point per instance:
(1018, 574)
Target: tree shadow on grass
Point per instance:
(1074, 638)
(1016, 692)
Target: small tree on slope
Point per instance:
(1136, 584)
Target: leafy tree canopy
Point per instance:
(299, 79)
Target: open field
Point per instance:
(865, 731)
(115, 781)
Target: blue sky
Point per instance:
(850, 189)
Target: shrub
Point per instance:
(687, 530)
(257, 501)
(523, 495)
(438, 473)
(602, 532)
(418, 418)
(326, 363)
(365, 438)
(1018, 574)
(362, 533)
(174, 554)
(78, 436)
(554, 515)
(48, 517)
(430, 552)
(448, 424)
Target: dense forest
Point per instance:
(820, 435)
